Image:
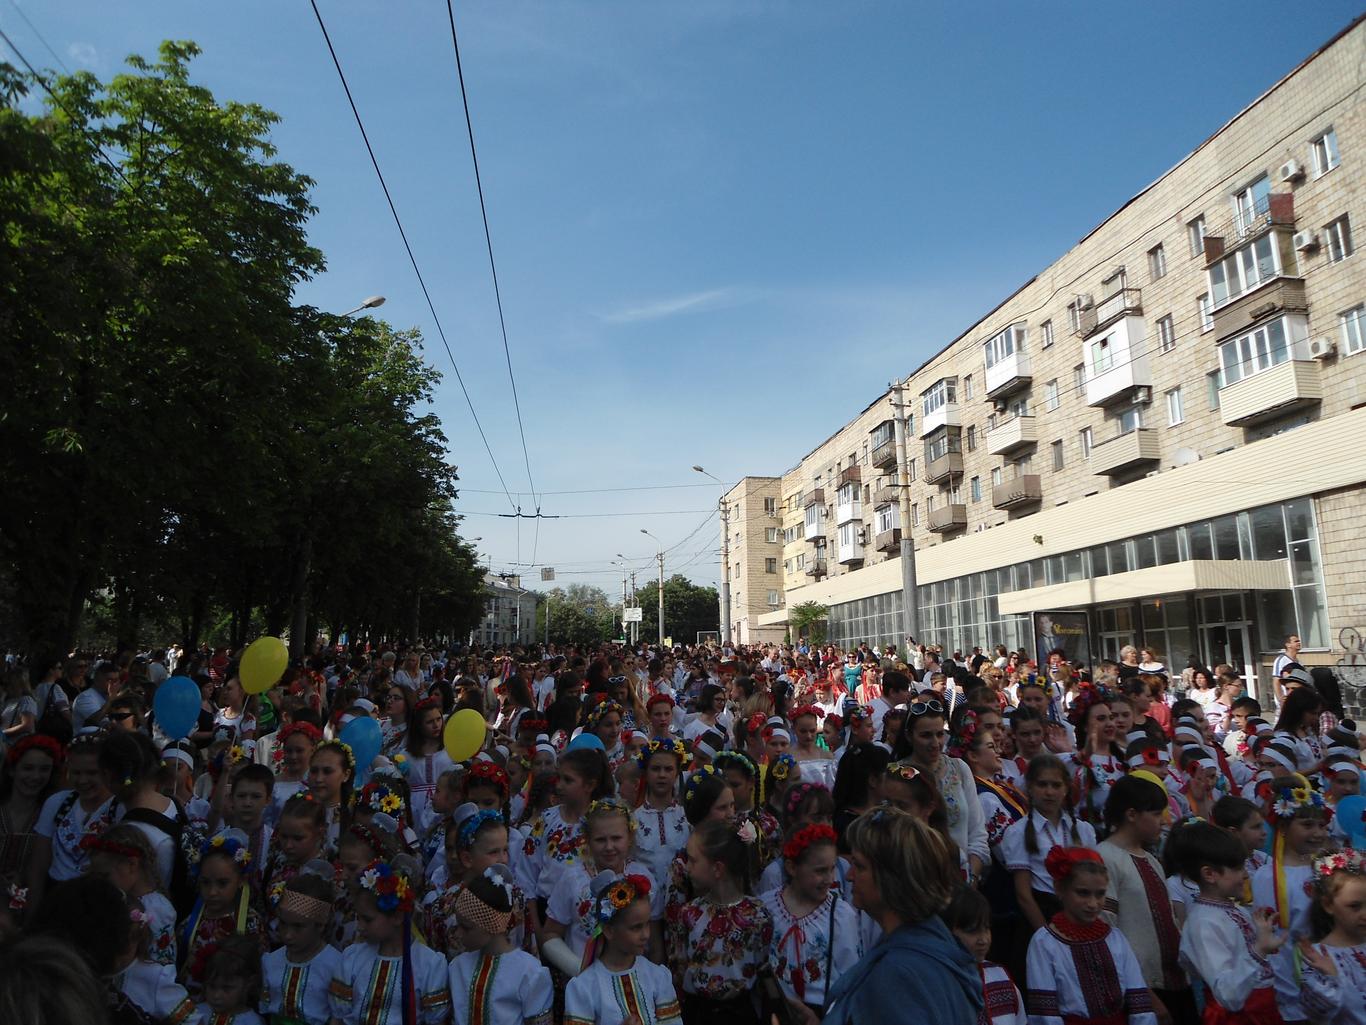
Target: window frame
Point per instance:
(1157, 262)
(1354, 317)
(1166, 334)
(1260, 354)
(1052, 396)
(1195, 235)
(1059, 452)
(1088, 442)
(1332, 155)
(1205, 309)
(1176, 407)
(1046, 334)
(1338, 230)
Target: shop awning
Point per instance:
(1155, 581)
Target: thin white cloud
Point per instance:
(660, 309)
(83, 54)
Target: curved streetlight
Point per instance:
(725, 556)
(374, 302)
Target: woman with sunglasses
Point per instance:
(922, 743)
(397, 704)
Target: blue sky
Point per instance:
(721, 227)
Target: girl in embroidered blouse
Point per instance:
(661, 827)
(1080, 970)
(1098, 760)
(621, 987)
(723, 934)
(923, 744)
(224, 907)
(67, 817)
(231, 978)
(299, 837)
(426, 758)
(556, 839)
(331, 772)
(294, 747)
(968, 917)
(1027, 843)
(124, 856)
(295, 975)
(1335, 965)
(493, 981)
(816, 934)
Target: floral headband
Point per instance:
(659, 699)
(668, 745)
(611, 806)
(605, 707)
(537, 726)
(391, 889)
(802, 710)
(34, 742)
(1350, 860)
(225, 843)
(835, 720)
(1088, 695)
(858, 713)
(348, 756)
(469, 826)
(1291, 801)
(798, 794)
(695, 781)
(482, 770)
(1063, 861)
(618, 894)
(755, 723)
(737, 760)
(381, 797)
(781, 767)
(805, 837)
(96, 844)
(426, 704)
(300, 729)
(961, 743)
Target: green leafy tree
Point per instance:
(688, 609)
(808, 620)
(579, 614)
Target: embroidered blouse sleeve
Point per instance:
(1214, 949)
(1043, 1005)
(1322, 995)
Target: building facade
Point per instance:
(1165, 429)
(509, 613)
(755, 547)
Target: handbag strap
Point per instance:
(829, 953)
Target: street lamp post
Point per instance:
(374, 302)
(661, 584)
(725, 558)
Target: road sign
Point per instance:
(632, 615)
(547, 572)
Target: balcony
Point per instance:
(1127, 302)
(1008, 373)
(1271, 393)
(937, 470)
(815, 533)
(816, 569)
(1125, 453)
(1023, 490)
(948, 518)
(944, 415)
(850, 554)
(1012, 435)
(1240, 315)
(884, 446)
(1276, 210)
(849, 475)
(846, 512)
(886, 494)
(1117, 363)
(888, 540)
(816, 496)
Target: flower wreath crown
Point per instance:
(781, 766)
(611, 806)
(1287, 802)
(482, 770)
(1088, 694)
(695, 780)
(736, 760)
(391, 889)
(602, 708)
(619, 895)
(381, 797)
(802, 710)
(805, 837)
(300, 729)
(961, 742)
(1349, 860)
(34, 742)
(226, 844)
(669, 745)
(348, 756)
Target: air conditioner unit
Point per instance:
(1322, 348)
(1084, 301)
(1306, 240)
(1142, 394)
(1291, 170)
(1000, 405)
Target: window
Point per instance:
(972, 439)
(1212, 388)
(1130, 420)
(774, 599)
(1252, 203)
(1074, 309)
(1254, 352)
(910, 472)
(1079, 377)
(1354, 330)
(976, 488)
(1325, 149)
(1046, 334)
(883, 434)
(915, 514)
(956, 494)
(887, 519)
(801, 561)
(1116, 282)
(1051, 398)
(967, 388)
(1005, 344)
(1086, 441)
(940, 444)
(1195, 232)
(1057, 456)
(1157, 262)
(1175, 414)
(995, 476)
(1202, 304)
(938, 395)
(1166, 333)
(787, 565)
(1337, 239)
(770, 565)
(1244, 270)
(771, 535)
(1102, 359)
(771, 506)
(1020, 407)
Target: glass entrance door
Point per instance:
(1226, 635)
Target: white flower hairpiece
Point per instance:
(499, 877)
(747, 833)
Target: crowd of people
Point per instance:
(705, 835)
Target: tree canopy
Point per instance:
(182, 444)
(688, 609)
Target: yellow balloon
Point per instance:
(464, 734)
(263, 663)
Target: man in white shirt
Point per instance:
(1290, 653)
(156, 668)
(896, 690)
(89, 703)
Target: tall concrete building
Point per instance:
(509, 613)
(1164, 430)
(755, 547)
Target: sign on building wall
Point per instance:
(1068, 631)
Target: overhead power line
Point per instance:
(398, 222)
(519, 515)
(493, 266)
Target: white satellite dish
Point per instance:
(1185, 456)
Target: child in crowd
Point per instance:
(1334, 964)
(1049, 824)
(968, 917)
(1111, 989)
(1224, 947)
(230, 973)
(124, 856)
(149, 984)
(248, 801)
(295, 976)
(477, 841)
(661, 828)
(492, 980)
(619, 986)
(224, 907)
(1244, 820)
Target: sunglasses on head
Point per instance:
(900, 770)
(930, 707)
(616, 679)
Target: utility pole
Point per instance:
(725, 556)
(635, 627)
(547, 620)
(910, 609)
(661, 599)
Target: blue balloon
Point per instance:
(176, 705)
(364, 737)
(1351, 815)
(586, 741)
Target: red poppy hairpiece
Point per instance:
(1063, 861)
(426, 703)
(484, 771)
(797, 713)
(537, 726)
(96, 844)
(755, 722)
(38, 742)
(306, 729)
(834, 719)
(806, 836)
(659, 699)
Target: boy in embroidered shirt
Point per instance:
(968, 917)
